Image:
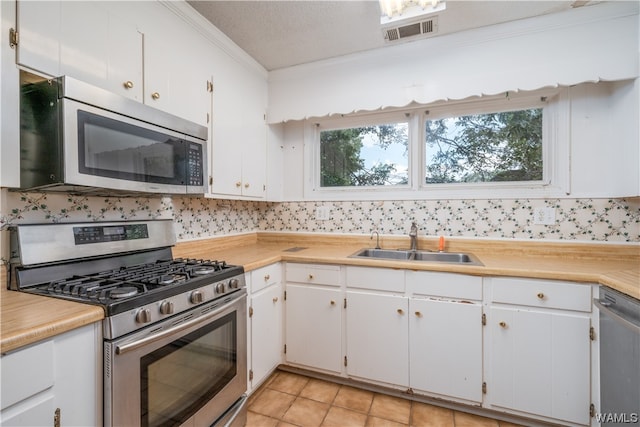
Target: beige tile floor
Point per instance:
(288, 399)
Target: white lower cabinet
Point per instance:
(445, 342)
(265, 323)
(539, 360)
(445, 335)
(314, 326)
(378, 337)
(512, 345)
(59, 377)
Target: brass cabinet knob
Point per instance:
(267, 277)
(333, 302)
(275, 299)
(311, 277)
(418, 314)
(238, 184)
(540, 295)
(246, 185)
(400, 311)
(128, 84)
(503, 324)
(155, 95)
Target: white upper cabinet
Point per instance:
(140, 51)
(177, 73)
(239, 145)
(38, 26)
(101, 47)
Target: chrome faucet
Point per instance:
(413, 234)
(377, 238)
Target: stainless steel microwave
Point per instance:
(78, 138)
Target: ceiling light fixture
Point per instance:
(396, 10)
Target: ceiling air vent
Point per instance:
(422, 28)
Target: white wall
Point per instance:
(597, 42)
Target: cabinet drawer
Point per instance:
(266, 276)
(445, 285)
(542, 293)
(26, 372)
(314, 273)
(380, 279)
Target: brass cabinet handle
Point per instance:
(400, 311)
(238, 184)
(333, 302)
(540, 295)
(503, 324)
(418, 314)
(275, 299)
(246, 185)
(155, 95)
(128, 84)
(267, 277)
(311, 277)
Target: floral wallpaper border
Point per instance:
(607, 220)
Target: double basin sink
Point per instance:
(411, 255)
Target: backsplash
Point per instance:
(611, 220)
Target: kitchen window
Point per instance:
(374, 155)
(511, 145)
(490, 147)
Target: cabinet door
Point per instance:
(38, 25)
(314, 327)
(36, 412)
(266, 332)
(175, 77)
(100, 48)
(540, 363)
(446, 348)
(378, 337)
(238, 155)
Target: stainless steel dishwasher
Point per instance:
(619, 358)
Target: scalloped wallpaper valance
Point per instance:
(590, 44)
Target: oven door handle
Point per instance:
(604, 308)
(124, 348)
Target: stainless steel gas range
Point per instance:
(174, 329)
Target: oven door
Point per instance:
(187, 370)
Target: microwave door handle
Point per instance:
(124, 348)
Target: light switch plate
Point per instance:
(322, 213)
(544, 216)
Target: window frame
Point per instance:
(555, 151)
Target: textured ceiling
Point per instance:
(280, 34)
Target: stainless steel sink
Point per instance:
(383, 253)
(458, 258)
(424, 256)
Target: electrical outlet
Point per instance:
(544, 216)
(322, 213)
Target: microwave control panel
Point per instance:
(194, 164)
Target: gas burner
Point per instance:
(170, 279)
(203, 270)
(123, 292)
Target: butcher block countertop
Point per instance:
(25, 319)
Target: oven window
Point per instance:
(119, 150)
(179, 378)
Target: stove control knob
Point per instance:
(166, 307)
(220, 288)
(234, 283)
(143, 316)
(196, 297)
